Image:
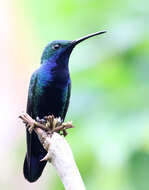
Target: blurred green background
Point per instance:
(110, 88)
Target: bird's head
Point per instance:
(55, 50)
(59, 51)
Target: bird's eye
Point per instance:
(56, 46)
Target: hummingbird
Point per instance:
(48, 94)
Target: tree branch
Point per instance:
(59, 153)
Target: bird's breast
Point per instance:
(51, 96)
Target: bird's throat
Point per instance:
(54, 73)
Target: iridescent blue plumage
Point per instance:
(49, 93)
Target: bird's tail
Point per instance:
(33, 170)
(33, 167)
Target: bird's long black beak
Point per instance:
(75, 42)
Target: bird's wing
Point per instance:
(35, 151)
(31, 93)
(68, 93)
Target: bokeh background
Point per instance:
(110, 88)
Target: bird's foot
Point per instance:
(53, 124)
(49, 124)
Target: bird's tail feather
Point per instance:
(33, 170)
(33, 167)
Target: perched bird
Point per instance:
(49, 94)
